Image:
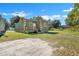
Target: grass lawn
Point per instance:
(68, 40)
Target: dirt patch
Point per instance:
(26, 47)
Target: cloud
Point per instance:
(21, 14)
(4, 14)
(68, 10)
(65, 16)
(56, 16)
(43, 10)
(46, 17)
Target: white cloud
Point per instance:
(43, 10)
(46, 17)
(51, 17)
(65, 16)
(21, 14)
(4, 14)
(68, 10)
(56, 16)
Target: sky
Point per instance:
(28, 10)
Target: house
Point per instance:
(29, 26)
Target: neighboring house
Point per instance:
(27, 26)
(65, 26)
(11, 29)
(2, 26)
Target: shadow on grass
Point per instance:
(0, 35)
(44, 33)
(3, 35)
(52, 32)
(35, 33)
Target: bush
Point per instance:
(75, 28)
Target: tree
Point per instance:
(72, 19)
(56, 23)
(73, 16)
(40, 23)
(7, 25)
(49, 24)
(14, 20)
(3, 24)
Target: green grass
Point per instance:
(68, 40)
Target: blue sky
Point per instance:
(28, 10)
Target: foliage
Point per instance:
(14, 20)
(56, 23)
(5, 22)
(40, 22)
(7, 25)
(73, 16)
(49, 24)
(72, 19)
